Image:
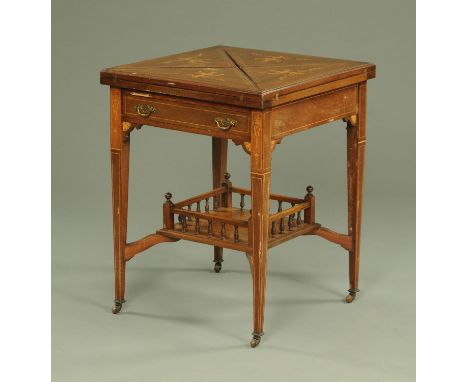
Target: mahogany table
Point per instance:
(255, 98)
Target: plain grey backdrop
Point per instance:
(182, 322)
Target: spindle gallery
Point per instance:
(256, 99)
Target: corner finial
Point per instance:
(309, 190)
(168, 196)
(227, 183)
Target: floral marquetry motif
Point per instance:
(194, 59)
(211, 73)
(265, 59)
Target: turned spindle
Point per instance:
(198, 206)
(293, 216)
(226, 197)
(189, 208)
(236, 233)
(215, 202)
(290, 225)
(291, 220)
(207, 205)
(223, 231)
(184, 223)
(242, 204)
(210, 228)
(299, 218)
(280, 205)
(197, 225)
(273, 228)
(282, 225)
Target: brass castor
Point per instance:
(117, 306)
(351, 296)
(255, 340)
(218, 266)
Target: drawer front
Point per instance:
(313, 111)
(186, 116)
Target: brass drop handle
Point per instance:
(225, 123)
(144, 110)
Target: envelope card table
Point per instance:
(256, 99)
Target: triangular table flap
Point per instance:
(263, 58)
(229, 78)
(274, 77)
(214, 57)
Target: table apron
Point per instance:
(313, 111)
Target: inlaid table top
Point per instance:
(239, 76)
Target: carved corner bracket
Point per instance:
(351, 121)
(247, 145)
(127, 128)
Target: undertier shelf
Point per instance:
(210, 218)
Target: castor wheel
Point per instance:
(351, 296)
(218, 266)
(117, 306)
(255, 340)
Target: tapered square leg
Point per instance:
(260, 172)
(219, 148)
(356, 142)
(120, 150)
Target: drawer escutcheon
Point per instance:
(225, 123)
